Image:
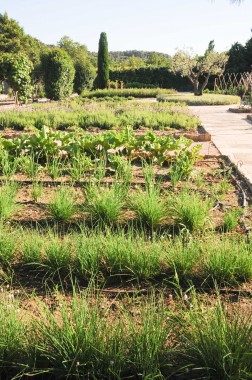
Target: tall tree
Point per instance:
(198, 69)
(237, 60)
(84, 70)
(14, 40)
(103, 62)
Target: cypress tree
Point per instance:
(103, 62)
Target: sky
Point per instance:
(151, 25)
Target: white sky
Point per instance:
(153, 25)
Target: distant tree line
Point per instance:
(32, 68)
(240, 57)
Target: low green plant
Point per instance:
(131, 255)
(216, 345)
(58, 260)
(8, 246)
(189, 210)
(80, 341)
(32, 246)
(36, 190)
(88, 254)
(99, 169)
(123, 170)
(149, 354)
(8, 204)
(150, 206)
(8, 164)
(62, 207)
(205, 99)
(29, 165)
(104, 203)
(80, 163)
(182, 257)
(54, 167)
(231, 219)
(14, 348)
(226, 261)
(221, 188)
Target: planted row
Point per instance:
(87, 338)
(98, 254)
(47, 143)
(103, 118)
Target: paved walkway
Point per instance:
(231, 134)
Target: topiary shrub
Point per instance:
(58, 70)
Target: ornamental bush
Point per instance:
(58, 70)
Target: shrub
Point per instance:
(58, 70)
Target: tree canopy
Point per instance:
(84, 70)
(199, 68)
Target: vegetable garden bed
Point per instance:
(123, 255)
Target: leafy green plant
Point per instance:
(62, 207)
(182, 167)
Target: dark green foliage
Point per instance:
(240, 57)
(84, 70)
(14, 40)
(237, 59)
(11, 35)
(84, 76)
(155, 76)
(103, 62)
(59, 71)
(16, 70)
